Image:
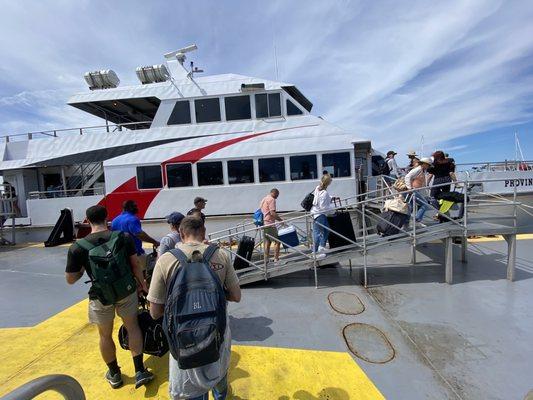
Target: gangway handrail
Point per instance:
(65, 385)
(411, 236)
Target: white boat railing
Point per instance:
(507, 165)
(54, 194)
(55, 133)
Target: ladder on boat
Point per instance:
(7, 214)
(481, 217)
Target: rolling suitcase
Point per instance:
(340, 222)
(396, 221)
(245, 250)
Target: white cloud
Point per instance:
(388, 70)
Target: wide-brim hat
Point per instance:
(425, 160)
(412, 153)
(391, 153)
(199, 200)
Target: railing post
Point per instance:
(413, 219)
(315, 264)
(465, 202)
(55, 133)
(7, 139)
(30, 136)
(81, 131)
(364, 247)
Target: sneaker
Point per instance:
(142, 378)
(421, 225)
(320, 256)
(114, 380)
(321, 250)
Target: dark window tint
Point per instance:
(292, 109)
(207, 110)
(179, 175)
(274, 104)
(149, 177)
(267, 105)
(237, 107)
(241, 171)
(271, 169)
(210, 173)
(337, 164)
(181, 114)
(303, 167)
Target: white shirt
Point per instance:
(321, 203)
(393, 166)
(412, 175)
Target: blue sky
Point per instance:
(458, 73)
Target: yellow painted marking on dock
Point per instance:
(525, 236)
(66, 343)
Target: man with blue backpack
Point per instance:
(190, 287)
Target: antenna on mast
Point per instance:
(275, 58)
(518, 148)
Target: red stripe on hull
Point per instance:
(128, 190)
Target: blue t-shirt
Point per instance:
(129, 223)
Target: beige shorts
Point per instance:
(270, 230)
(100, 314)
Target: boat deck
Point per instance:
(410, 335)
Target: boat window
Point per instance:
(207, 110)
(179, 175)
(240, 171)
(337, 164)
(292, 109)
(149, 177)
(303, 167)
(181, 113)
(210, 173)
(271, 169)
(237, 107)
(267, 105)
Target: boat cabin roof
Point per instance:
(139, 103)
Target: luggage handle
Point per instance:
(335, 199)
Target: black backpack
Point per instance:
(154, 340)
(307, 202)
(384, 168)
(195, 312)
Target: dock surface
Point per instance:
(410, 335)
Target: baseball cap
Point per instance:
(199, 199)
(175, 218)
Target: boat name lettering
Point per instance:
(519, 182)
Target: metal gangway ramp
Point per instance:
(484, 215)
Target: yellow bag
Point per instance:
(400, 185)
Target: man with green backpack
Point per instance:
(110, 260)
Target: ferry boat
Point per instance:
(177, 135)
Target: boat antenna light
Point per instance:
(180, 54)
(153, 74)
(102, 79)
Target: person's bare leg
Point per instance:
(107, 345)
(135, 337)
(276, 251)
(267, 249)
